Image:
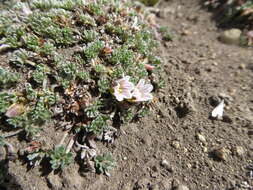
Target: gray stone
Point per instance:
(201, 138)
(166, 165)
(231, 36)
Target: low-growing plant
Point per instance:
(13, 36)
(90, 35)
(40, 74)
(87, 20)
(45, 25)
(103, 85)
(235, 12)
(128, 116)
(104, 163)
(60, 158)
(22, 57)
(92, 111)
(6, 99)
(98, 125)
(83, 67)
(2, 141)
(122, 56)
(166, 33)
(93, 49)
(7, 78)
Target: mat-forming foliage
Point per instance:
(81, 67)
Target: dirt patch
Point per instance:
(176, 146)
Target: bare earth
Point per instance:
(177, 146)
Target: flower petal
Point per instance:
(148, 88)
(136, 93)
(118, 95)
(147, 97)
(127, 94)
(140, 83)
(127, 85)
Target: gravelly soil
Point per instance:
(175, 147)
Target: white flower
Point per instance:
(123, 89)
(218, 111)
(142, 91)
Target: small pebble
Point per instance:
(221, 153)
(154, 174)
(185, 32)
(189, 165)
(239, 151)
(175, 144)
(214, 63)
(231, 36)
(205, 149)
(201, 138)
(242, 66)
(166, 165)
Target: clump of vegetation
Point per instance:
(60, 158)
(83, 68)
(238, 13)
(7, 78)
(104, 163)
(166, 33)
(2, 141)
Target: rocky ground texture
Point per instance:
(178, 146)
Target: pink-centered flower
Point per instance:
(142, 91)
(123, 89)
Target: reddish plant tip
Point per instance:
(149, 67)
